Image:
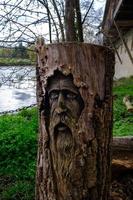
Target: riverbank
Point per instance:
(15, 62)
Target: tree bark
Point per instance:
(70, 20)
(86, 174)
(79, 22)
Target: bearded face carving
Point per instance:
(74, 83)
(66, 105)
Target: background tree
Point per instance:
(20, 51)
(73, 21)
(24, 20)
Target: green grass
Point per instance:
(123, 120)
(18, 150)
(18, 144)
(14, 61)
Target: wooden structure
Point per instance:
(122, 148)
(117, 27)
(74, 153)
(122, 154)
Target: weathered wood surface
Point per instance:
(85, 172)
(122, 144)
(122, 155)
(122, 168)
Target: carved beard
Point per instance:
(61, 134)
(63, 146)
(61, 138)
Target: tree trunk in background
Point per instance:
(84, 174)
(73, 21)
(70, 20)
(79, 22)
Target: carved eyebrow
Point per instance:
(70, 91)
(64, 90)
(53, 90)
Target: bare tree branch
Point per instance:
(87, 12)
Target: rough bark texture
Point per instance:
(86, 174)
(79, 22)
(70, 20)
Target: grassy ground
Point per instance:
(123, 120)
(14, 62)
(18, 144)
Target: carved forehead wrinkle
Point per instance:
(62, 83)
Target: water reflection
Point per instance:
(17, 87)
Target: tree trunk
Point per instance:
(70, 20)
(74, 156)
(79, 22)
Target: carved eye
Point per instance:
(53, 95)
(71, 96)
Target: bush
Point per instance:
(15, 62)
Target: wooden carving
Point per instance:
(75, 110)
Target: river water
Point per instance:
(17, 87)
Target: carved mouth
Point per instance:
(61, 127)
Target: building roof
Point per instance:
(120, 11)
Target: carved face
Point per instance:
(65, 102)
(65, 107)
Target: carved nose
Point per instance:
(61, 100)
(61, 104)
